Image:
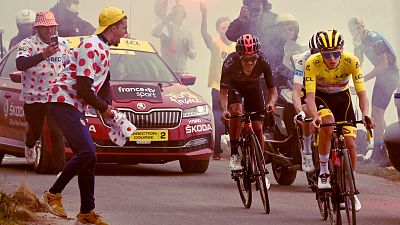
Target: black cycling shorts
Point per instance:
(251, 97)
(338, 103)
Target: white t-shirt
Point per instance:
(36, 80)
(299, 63)
(90, 59)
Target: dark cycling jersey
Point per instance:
(245, 87)
(233, 75)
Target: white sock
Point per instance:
(307, 145)
(323, 162)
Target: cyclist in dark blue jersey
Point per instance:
(240, 90)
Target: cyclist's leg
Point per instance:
(254, 102)
(325, 137)
(306, 151)
(235, 108)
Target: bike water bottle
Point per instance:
(335, 158)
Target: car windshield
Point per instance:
(128, 65)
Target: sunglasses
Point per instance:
(328, 55)
(249, 59)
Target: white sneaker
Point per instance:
(30, 155)
(267, 183)
(234, 163)
(357, 203)
(308, 165)
(324, 181)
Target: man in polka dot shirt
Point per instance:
(85, 81)
(40, 62)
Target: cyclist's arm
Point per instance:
(296, 98)
(272, 92)
(310, 86)
(223, 99)
(363, 103)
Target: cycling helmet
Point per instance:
(313, 43)
(286, 17)
(25, 16)
(247, 44)
(330, 40)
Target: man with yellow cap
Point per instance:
(84, 82)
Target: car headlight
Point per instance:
(91, 112)
(201, 111)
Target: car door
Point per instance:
(12, 119)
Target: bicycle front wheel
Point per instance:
(243, 180)
(260, 171)
(348, 189)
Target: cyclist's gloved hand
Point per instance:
(226, 115)
(299, 118)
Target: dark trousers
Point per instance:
(35, 115)
(219, 127)
(83, 163)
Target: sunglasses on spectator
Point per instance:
(249, 59)
(328, 55)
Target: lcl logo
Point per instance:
(141, 106)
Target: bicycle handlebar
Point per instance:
(247, 114)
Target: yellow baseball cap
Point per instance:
(109, 16)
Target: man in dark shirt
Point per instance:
(241, 78)
(70, 24)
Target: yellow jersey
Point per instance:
(319, 78)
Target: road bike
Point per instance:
(343, 188)
(252, 160)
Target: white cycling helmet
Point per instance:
(26, 16)
(286, 17)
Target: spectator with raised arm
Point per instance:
(219, 47)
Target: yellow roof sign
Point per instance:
(125, 44)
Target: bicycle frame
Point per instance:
(253, 164)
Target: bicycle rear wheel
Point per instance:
(260, 171)
(348, 189)
(243, 180)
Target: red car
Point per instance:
(173, 122)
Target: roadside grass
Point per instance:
(19, 208)
(389, 172)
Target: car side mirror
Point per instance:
(188, 79)
(16, 76)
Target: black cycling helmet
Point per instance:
(313, 43)
(247, 44)
(330, 40)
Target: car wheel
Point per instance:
(43, 164)
(194, 166)
(1, 157)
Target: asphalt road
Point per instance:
(162, 195)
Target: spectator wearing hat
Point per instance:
(85, 81)
(382, 56)
(25, 19)
(40, 62)
(66, 12)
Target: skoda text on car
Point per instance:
(173, 122)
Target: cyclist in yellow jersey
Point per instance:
(327, 75)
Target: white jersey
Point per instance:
(299, 63)
(36, 81)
